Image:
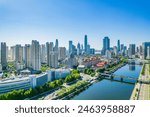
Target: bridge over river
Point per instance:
(122, 78)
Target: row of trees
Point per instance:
(23, 94)
(143, 70)
(44, 67)
(65, 91)
(73, 76)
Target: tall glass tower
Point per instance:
(85, 43)
(106, 45)
(118, 45)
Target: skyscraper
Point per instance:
(53, 59)
(70, 47)
(85, 43)
(78, 49)
(18, 53)
(28, 58)
(49, 49)
(131, 51)
(145, 45)
(56, 46)
(43, 53)
(106, 45)
(62, 53)
(3, 55)
(148, 53)
(118, 45)
(35, 55)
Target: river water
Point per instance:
(112, 90)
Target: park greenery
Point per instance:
(143, 70)
(73, 76)
(117, 65)
(44, 67)
(89, 71)
(10, 70)
(23, 94)
(65, 91)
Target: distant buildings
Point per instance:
(106, 45)
(3, 55)
(85, 44)
(61, 53)
(145, 46)
(131, 50)
(27, 51)
(118, 45)
(35, 55)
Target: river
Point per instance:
(112, 90)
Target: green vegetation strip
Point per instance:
(65, 91)
(143, 70)
(23, 94)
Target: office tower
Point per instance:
(56, 46)
(70, 47)
(118, 45)
(85, 43)
(3, 55)
(115, 50)
(78, 49)
(145, 45)
(62, 53)
(18, 54)
(49, 48)
(43, 53)
(140, 50)
(131, 50)
(27, 50)
(148, 53)
(35, 55)
(53, 59)
(122, 47)
(88, 49)
(92, 51)
(106, 45)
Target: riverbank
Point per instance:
(142, 91)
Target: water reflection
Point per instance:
(132, 67)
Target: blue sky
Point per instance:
(46, 20)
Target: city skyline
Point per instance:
(22, 22)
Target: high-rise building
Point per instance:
(62, 53)
(3, 55)
(145, 45)
(53, 59)
(70, 47)
(12, 53)
(118, 45)
(78, 49)
(85, 43)
(27, 50)
(106, 45)
(56, 46)
(131, 51)
(18, 54)
(49, 49)
(115, 50)
(43, 53)
(148, 53)
(35, 55)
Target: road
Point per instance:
(144, 88)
